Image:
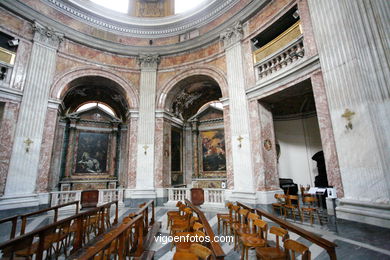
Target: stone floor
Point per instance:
(354, 240)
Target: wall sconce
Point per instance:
(348, 114)
(28, 142)
(145, 148)
(240, 138)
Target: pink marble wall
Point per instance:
(256, 140)
(46, 150)
(7, 134)
(326, 131)
(228, 144)
(269, 165)
(158, 153)
(132, 137)
(307, 29)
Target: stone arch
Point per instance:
(212, 72)
(61, 83)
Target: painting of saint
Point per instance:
(213, 150)
(92, 153)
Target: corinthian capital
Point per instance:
(47, 35)
(232, 35)
(148, 60)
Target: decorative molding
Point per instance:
(148, 28)
(47, 36)
(232, 35)
(150, 61)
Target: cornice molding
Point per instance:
(26, 12)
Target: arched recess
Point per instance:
(190, 98)
(61, 83)
(212, 72)
(91, 143)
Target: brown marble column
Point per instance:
(113, 148)
(195, 134)
(71, 147)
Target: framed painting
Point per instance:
(213, 152)
(92, 149)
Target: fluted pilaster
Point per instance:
(28, 137)
(239, 118)
(146, 122)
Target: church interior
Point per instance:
(127, 124)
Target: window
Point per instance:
(182, 6)
(121, 6)
(88, 105)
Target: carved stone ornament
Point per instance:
(47, 36)
(232, 35)
(148, 60)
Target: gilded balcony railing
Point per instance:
(278, 43)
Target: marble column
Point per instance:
(195, 136)
(353, 46)
(145, 187)
(113, 148)
(23, 171)
(187, 154)
(70, 150)
(244, 188)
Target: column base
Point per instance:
(365, 212)
(252, 198)
(134, 197)
(19, 201)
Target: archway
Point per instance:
(92, 134)
(194, 141)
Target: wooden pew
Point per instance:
(78, 224)
(215, 247)
(145, 228)
(14, 219)
(329, 246)
(124, 246)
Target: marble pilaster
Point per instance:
(244, 188)
(24, 163)
(356, 79)
(146, 125)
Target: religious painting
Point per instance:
(213, 150)
(92, 153)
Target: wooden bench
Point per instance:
(329, 246)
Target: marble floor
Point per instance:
(354, 240)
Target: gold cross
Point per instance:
(28, 142)
(145, 148)
(240, 138)
(348, 114)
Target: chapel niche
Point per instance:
(209, 153)
(92, 149)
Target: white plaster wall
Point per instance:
(299, 140)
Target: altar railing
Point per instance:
(212, 197)
(105, 196)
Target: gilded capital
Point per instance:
(148, 60)
(232, 35)
(47, 36)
